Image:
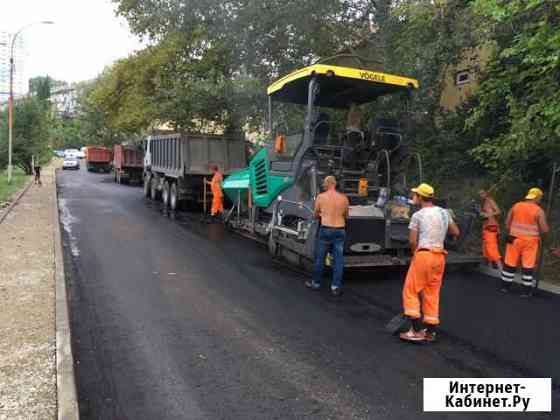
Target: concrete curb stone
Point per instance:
(67, 398)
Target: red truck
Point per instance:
(98, 159)
(128, 163)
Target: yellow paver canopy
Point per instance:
(339, 86)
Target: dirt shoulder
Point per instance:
(27, 299)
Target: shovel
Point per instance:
(399, 323)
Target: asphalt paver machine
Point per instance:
(309, 139)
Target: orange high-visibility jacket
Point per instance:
(525, 217)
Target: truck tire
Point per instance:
(173, 197)
(154, 193)
(147, 184)
(165, 194)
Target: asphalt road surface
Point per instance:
(174, 319)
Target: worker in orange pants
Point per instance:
(526, 222)
(424, 277)
(428, 229)
(490, 229)
(217, 194)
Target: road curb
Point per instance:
(8, 209)
(67, 399)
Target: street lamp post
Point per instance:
(11, 94)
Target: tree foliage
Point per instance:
(30, 133)
(41, 86)
(209, 63)
(519, 99)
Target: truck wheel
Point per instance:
(147, 185)
(153, 189)
(173, 198)
(165, 194)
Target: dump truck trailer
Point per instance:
(128, 163)
(375, 166)
(98, 159)
(175, 165)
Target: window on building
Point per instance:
(463, 77)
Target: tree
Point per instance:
(518, 114)
(41, 86)
(30, 135)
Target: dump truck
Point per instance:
(98, 159)
(273, 198)
(128, 163)
(176, 165)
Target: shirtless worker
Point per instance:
(331, 208)
(490, 212)
(354, 139)
(428, 228)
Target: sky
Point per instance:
(86, 36)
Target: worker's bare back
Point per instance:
(332, 207)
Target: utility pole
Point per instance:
(11, 94)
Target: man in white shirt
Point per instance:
(428, 229)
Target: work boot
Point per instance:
(430, 334)
(214, 218)
(312, 285)
(413, 336)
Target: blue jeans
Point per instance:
(330, 239)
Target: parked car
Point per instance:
(71, 163)
(59, 153)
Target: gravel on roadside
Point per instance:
(27, 299)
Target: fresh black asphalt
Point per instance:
(174, 319)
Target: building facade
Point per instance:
(462, 80)
(20, 82)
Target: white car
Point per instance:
(71, 163)
(71, 153)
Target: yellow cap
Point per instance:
(534, 193)
(424, 190)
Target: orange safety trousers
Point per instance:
(524, 248)
(217, 195)
(424, 278)
(217, 204)
(490, 245)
